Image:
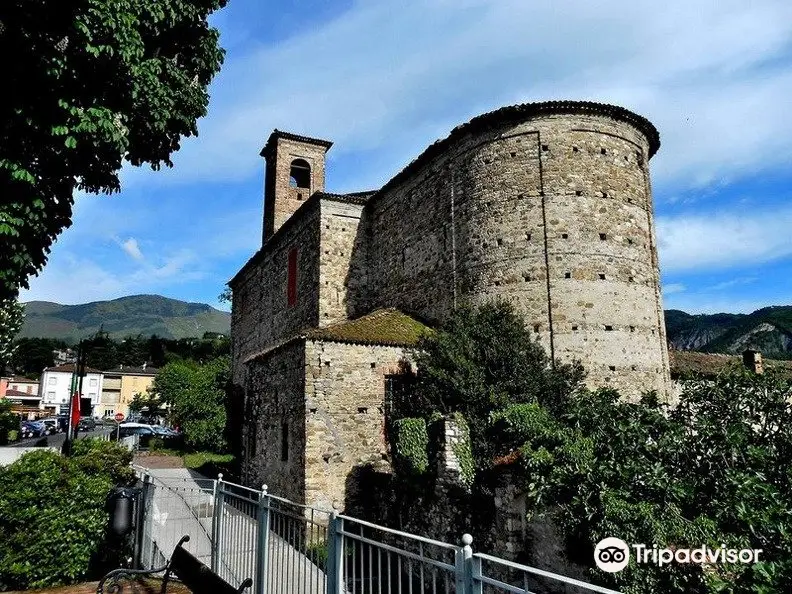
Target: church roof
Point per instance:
(289, 136)
(516, 113)
(352, 198)
(382, 327)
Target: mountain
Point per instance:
(127, 316)
(768, 330)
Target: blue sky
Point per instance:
(383, 80)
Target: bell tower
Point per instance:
(295, 169)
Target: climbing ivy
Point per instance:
(410, 442)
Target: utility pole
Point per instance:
(74, 398)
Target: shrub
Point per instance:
(410, 441)
(52, 513)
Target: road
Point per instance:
(56, 441)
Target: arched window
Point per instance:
(300, 174)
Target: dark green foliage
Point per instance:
(32, 355)
(410, 445)
(12, 314)
(714, 470)
(94, 83)
(9, 422)
(196, 395)
(481, 361)
(52, 513)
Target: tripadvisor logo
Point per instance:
(613, 554)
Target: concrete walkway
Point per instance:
(182, 502)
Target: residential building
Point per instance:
(55, 387)
(22, 391)
(120, 387)
(24, 384)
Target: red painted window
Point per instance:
(291, 279)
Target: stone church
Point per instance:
(547, 205)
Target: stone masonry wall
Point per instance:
(553, 214)
(342, 283)
(260, 314)
(274, 398)
(344, 400)
(281, 200)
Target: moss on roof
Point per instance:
(383, 326)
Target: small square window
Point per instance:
(578, 192)
(632, 328)
(575, 149)
(567, 275)
(602, 277)
(545, 148)
(612, 367)
(608, 328)
(574, 328)
(603, 236)
(528, 237)
(603, 151)
(565, 236)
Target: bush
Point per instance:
(52, 513)
(410, 441)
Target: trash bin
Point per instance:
(121, 507)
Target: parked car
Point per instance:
(86, 424)
(29, 429)
(146, 433)
(51, 426)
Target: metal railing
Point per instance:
(290, 548)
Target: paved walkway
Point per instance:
(183, 503)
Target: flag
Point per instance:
(74, 412)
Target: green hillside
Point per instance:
(126, 316)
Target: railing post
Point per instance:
(140, 522)
(262, 558)
(217, 523)
(335, 555)
(464, 557)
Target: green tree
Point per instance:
(101, 351)
(482, 360)
(32, 355)
(12, 314)
(195, 395)
(9, 421)
(94, 82)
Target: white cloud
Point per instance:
(392, 76)
(71, 279)
(672, 288)
(130, 246)
(723, 239)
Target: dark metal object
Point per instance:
(194, 574)
(121, 506)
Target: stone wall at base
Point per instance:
(344, 416)
(274, 437)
